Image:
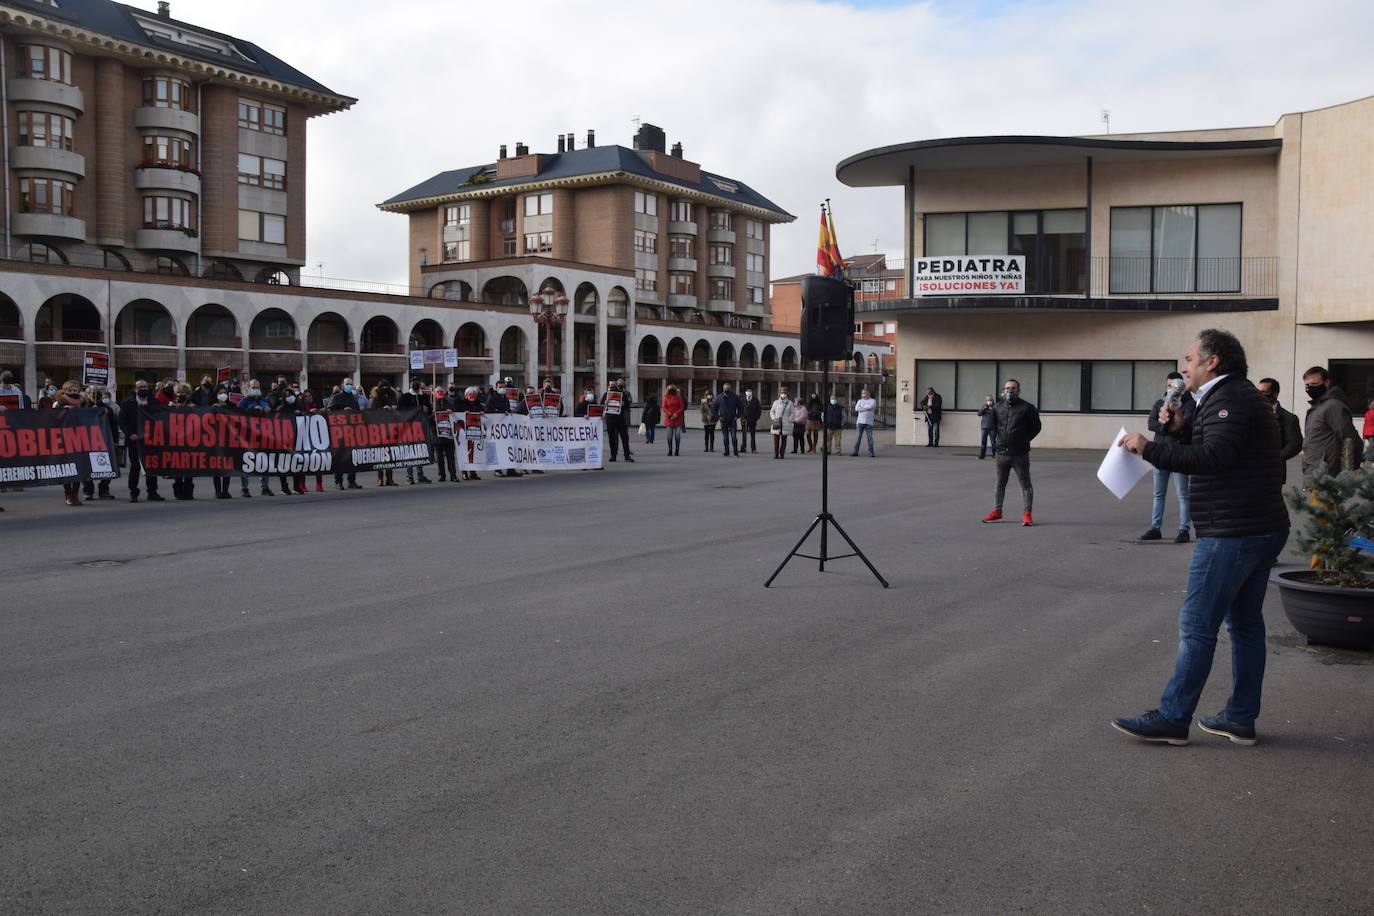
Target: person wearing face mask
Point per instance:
(1327, 427)
(255, 400)
(183, 487)
(498, 402)
(588, 397)
(618, 424)
(12, 392)
(674, 417)
(166, 393)
(289, 405)
(709, 417)
(987, 428)
(864, 408)
(753, 412)
(1186, 406)
(834, 425)
(99, 397)
(651, 417)
(204, 396)
(1018, 422)
(341, 400)
(47, 395)
(728, 410)
(221, 482)
(1290, 428)
(66, 398)
(415, 399)
(780, 417)
(470, 403)
(131, 422)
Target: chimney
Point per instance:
(591, 138)
(560, 142)
(503, 151)
(572, 141)
(677, 150)
(650, 138)
(521, 149)
(164, 9)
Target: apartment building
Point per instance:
(138, 142)
(1084, 266)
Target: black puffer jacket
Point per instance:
(1237, 474)
(1018, 422)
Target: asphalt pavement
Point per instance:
(570, 693)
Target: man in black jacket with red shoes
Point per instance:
(1242, 524)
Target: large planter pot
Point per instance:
(1327, 614)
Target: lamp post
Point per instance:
(547, 307)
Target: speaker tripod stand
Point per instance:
(824, 519)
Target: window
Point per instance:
(1150, 378)
(681, 246)
(680, 283)
(459, 215)
(646, 280)
(1175, 249)
(723, 289)
(166, 213)
(538, 242)
(38, 62)
(46, 195)
(538, 204)
(682, 212)
(169, 151)
(262, 227)
(944, 235)
(646, 203)
(975, 379)
(37, 128)
(753, 229)
(754, 295)
(1055, 386)
(262, 172)
(1111, 385)
(255, 115)
(754, 262)
(1061, 386)
(508, 248)
(166, 92)
(456, 251)
(1053, 242)
(722, 219)
(279, 328)
(723, 254)
(646, 242)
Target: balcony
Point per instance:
(11, 332)
(70, 335)
(157, 177)
(686, 265)
(196, 341)
(71, 165)
(681, 301)
(720, 305)
(49, 92)
(167, 119)
(50, 226)
(724, 271)
(165, 237)
(679, 227)
(723, 236)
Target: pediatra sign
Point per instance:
(515, 442)
(970, 275)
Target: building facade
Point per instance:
(1128, 246)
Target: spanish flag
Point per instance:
(824, 245)
(836, 262)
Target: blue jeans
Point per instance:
(988, 437)
(729, 435)
(859, 438)
(648, 434)
(1185, 519)
(1226, 582)
(674, 438)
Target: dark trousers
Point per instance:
(136, 467)
(988, 438)
(932, 432)
(779, 444)
(184, 487)
(1005, 464)
(352, 480)
(446, 456)
(618, 435)
(729, 436)
(709, 436)
(749, 435)
(798, 437)
(222, 486)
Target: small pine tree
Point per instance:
(1337, 507)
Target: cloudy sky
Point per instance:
(772, 92)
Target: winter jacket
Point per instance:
(674, 411)
(708, 414)
(344, 400)
(255, 403)
(1233, 460)
(799, 414)
(935, 409)
(1018, 422)
(729, 407)
(987, 416)
(834, 416)
(652, 414)
(130, 416)
(753, 409)
(780, 414)
(204, 397)
(1187, 405)
(1328, 425)
(496, 403)
(1290, 433)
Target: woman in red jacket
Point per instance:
(674, 417)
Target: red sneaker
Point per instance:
(1026, 520)
(994, 516)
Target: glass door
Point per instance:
(1025, 240)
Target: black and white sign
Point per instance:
(970, 275)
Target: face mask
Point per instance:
(254, 392)
(51, 391)
(142, 394)
(833, 402)
(348, 388)
(221, 397)
(988, 402)
(1012, 395)
(181, 399)
(1315, 391)
(290, 399)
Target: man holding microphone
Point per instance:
(1241, 523)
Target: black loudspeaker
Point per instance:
(827, 319)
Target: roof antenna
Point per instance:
(1107, 118)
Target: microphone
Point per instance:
(1173, 396)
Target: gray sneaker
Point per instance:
(1223, 727)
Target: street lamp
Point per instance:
(547, 307)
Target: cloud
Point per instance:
(771, 92)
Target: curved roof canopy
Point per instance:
(888, 165)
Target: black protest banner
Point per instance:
(224, 441)
(56, 446)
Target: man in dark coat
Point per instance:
(415, 399)
(131, 422)
(1290, 428)
(933, 407)
(1329, 425)
(729, 408)
(344, 399)
(1242, 523)
(753, 412)
(618, 423)
(1018, 422)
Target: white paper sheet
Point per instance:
(1121, 470)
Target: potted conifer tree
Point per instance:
(1333, 602)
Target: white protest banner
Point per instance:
(95, 369)
(970, 275)
(450, 358)
(417, 359)
(516, 442)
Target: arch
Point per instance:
(329, 333)
(701, 353)
(213, 325)
(725, 354)
(552, 283)
(471, 340)
(11, 319)
(789, 358)
(505, 290)
(223, 270)
(872, 362)
(426, 335)
(38, 253)
(116, 261)
(273, 276)
(858, 361)
(273, 329)
(452, 290)
(168, 266)
(514, 352)
(748, 356)
(380, 335)
(70, 318)
(145, 323)
(676, 352)
(649, 350)
(770, 357)
(617, 303)
(586, 300)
